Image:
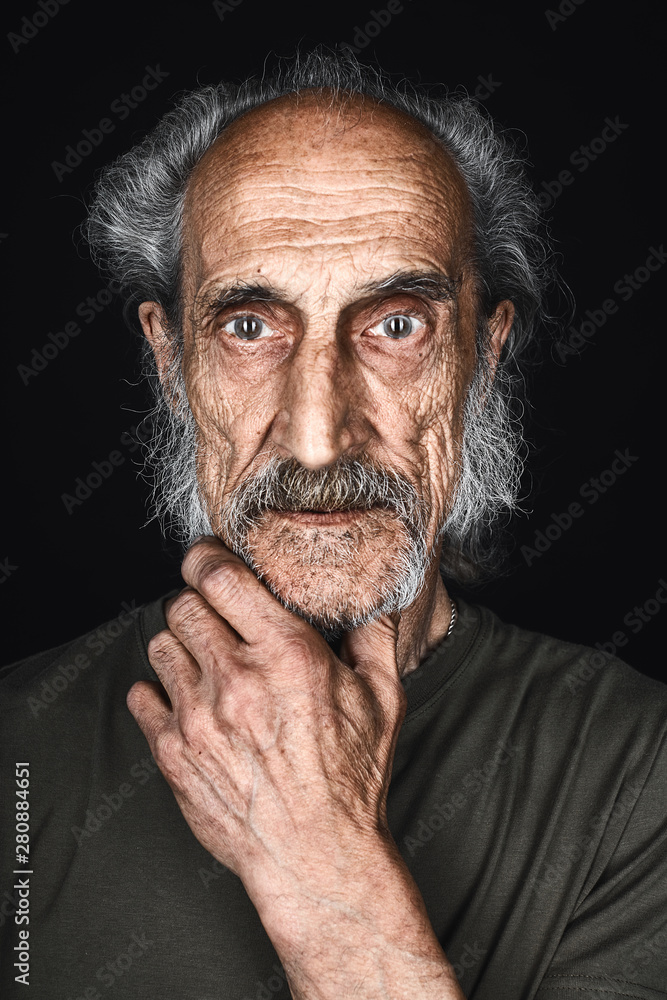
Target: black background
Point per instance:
(553, 83)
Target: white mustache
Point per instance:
(348, 484)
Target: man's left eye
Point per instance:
(397, 327)
(247, 328)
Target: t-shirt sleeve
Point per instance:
(615, 943)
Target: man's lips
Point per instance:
(323, 517)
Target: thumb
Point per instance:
(371, 649)
(371, 652)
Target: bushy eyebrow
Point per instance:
(433, 285)
(238, 294)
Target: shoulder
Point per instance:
(565, 687)
(115, 649)
(550, 660)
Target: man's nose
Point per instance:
(320, 418)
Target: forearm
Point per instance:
(363, 934)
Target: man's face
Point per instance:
(329, 316)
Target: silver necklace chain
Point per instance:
(452, 620)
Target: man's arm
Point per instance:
(369, 936)
(279, 755)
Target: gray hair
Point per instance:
(134, 230)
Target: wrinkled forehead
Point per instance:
(315, 167)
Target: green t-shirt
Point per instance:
(528, 798)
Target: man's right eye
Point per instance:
(247, 328)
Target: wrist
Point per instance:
(358, 920)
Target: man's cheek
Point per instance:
(215, 412)
(443, 453)
(211, 406)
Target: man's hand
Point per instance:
(279, 755)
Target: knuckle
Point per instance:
(223, 581)
(197, 551)
(161, 646)
(193, 726)
(235, 699)
(297, 652)
(244, 705)
(295, 646)
(167, 752)
(185, 607)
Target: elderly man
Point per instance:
(365, 787)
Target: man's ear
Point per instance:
(154, 324)
(500, 325)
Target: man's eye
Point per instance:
(397, 327)
(247, 328)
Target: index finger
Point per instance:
(233, 590)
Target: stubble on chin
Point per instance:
(333, 576)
